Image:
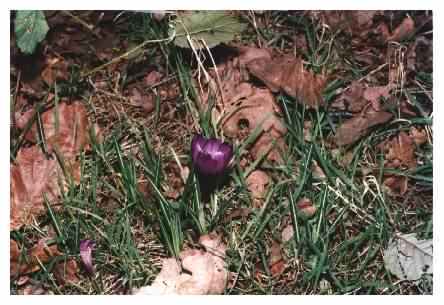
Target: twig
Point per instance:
(88, 26)
(126, 54)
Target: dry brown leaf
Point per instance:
(257, 183)
(396, 185)
(287, 233)
(358, 126)
(70, 135)
(419, 136)
(30, 263)
(146, 101)
(358, 23)
(206, 272)
(287, 73)
(67, 272)
(276, 262)
(32, 176)
(306, 207)
(356, 97)
(55, 69)
(404, 30)
(400, 152)
(242, 104)
(152, 78)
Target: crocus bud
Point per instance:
(210, 156)
(86, 247)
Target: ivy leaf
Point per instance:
(214, 27)
(30, 29)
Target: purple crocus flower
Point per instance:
(86, 247)
(210, 156)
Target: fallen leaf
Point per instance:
(358, 126)
(404, 30)
(287, 73)
(66, 272)
(242, 104)
(152, 78)
(396, 185)
(400, 152)
(65, 128)
(33, 175)
(55, 69)
(146, 101)
(276, 262)
(357, 97)
(257, 183)
(41, 252)
(306, 207)
(287, 233)
(409, 258)
(199, 272)
(419, 136)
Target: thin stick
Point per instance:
(127, 54)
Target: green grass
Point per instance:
(337, 251)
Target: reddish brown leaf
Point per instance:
(32, 176)
(355, 128)
(306, 207)
(146, 101)
(396, 185)
(400, 152)
(55, 69)
(276, 262)
(287, 73)
(69, 134)
(404, 30)
(67, 272)
(419, 136)
(152, 78)
(30, 262)
(257, 183)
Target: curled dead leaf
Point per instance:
(287, 73)
(404, 30)
(396, 185)
(400, 152)
(242, 107)
(200, 272)
(276, 262)
(358, 126)
(306, 207)
(257, 183)
(28, 263)
(419, 136)
(287, 233)
(67, 272)
(146, 101)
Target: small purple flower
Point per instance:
(86, 247)
(210, 156)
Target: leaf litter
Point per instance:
(198, 272)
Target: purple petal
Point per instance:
(86, 247)
(197, 146)
(210, 156)
(227, 151)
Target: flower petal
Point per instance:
(86, 247)
(197, 146)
